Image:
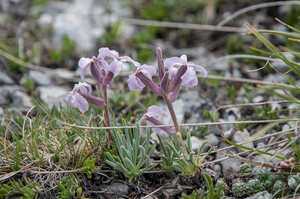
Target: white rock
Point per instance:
(258, 99)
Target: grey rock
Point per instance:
(230, 115)
(212, 138)
(195, 107)
(212, 173)
(40, 78)
(261, 158)
(261, 195)
(21, 100)
(214, 130)
(235, 73)
(277, 78)
(229, 132)
(217, 169)
(7, 90)
(117, 187)
(5, 79)
(241, 136)
(18, 7)
(260, 144)
(197, 142)
(220, 66)
(1, 111)
(3, 101)
(53, 95)
(77, 25)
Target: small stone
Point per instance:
(228, 133)
(214, 130)
(258, 99)
(53, 95)
(117, 187)
(21, 100)
(261, 195)
(5, 79)
(275, 106)
(260, 144)
(7, 90)
(242, 136)
(276, 78)
(197, 142)
(40, 78)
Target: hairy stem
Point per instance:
(174, 119)
(107, 122)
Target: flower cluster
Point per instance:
(180, 73)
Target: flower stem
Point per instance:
(174, 119)
(107, 122)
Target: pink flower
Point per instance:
(143, 77)
(151, 119)
(105, 52)
(101, 70)
(81, 95)
(189, 78)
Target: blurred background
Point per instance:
(38, 36)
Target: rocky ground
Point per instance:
(84, 23)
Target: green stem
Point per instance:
(174, 119)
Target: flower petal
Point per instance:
(128, 59)
(115, 67)
(174, 61)
(80, 102)
(83, 64)
(84, 88)
(156, 111)
(134, 83)
(105, 52)
(198, 68)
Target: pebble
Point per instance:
(53, 95)
(21, 100)
(261, 195)
(258, 99)
(117, 187)
(5, 79)
(242, 136)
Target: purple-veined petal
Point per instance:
(155, 130)
(104, 65)
(189, 78)
(156, 111)
(151, 121)
(105, 52)
(83, 64)
(172, 72)
(115, 67)
(85, 88)
(174, 61)
(128, 59)
(134, 83)
(148, 70)
(198, 68)
(80, 102)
